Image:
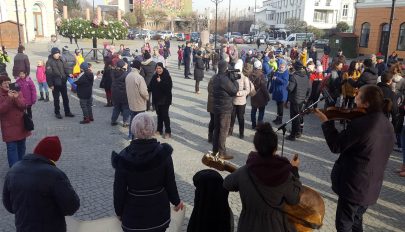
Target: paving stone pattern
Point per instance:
(87, 150)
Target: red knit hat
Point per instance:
(49, 147)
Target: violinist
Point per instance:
(364, 148)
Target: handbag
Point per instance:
(28, 123)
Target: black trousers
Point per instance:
(349, 216)
(295, 109)
(280, 109)
(186, 67)
(239, 111)
(221, 129)
(211, 126)
(197, 86)
(207, 64)
(162, 112)
(56, 92)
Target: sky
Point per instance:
(202, 4)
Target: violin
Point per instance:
(336, 113)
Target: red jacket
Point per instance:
(180, 54)
(11, 117)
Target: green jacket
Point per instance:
(4, 58)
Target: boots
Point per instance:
(85, 120)
(278, 120)
(42, 96)
(47, 97)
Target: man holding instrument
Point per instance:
(364, 147)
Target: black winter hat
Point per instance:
(136, 64)
(146, 55)
(55, 50)
(121, 64)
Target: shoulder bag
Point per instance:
(28, 123)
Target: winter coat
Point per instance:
(118, 89)
(144, 185)
(4, 58)
(70, 61)
(224, 89)
(325, 62)
(381, 67)
(180, 54)
(161, 91)
(388, 93)
(210, 101)
(158, 59)
(304, 58)
(279, 86)
(11, 117)
(85, 85)
(369, 76)
(39, 194)
(199, 69)
(262, 96)
(395, 80)
(347, 89)
(243, 92)
(298, 87)
(106, 79)
(187, 55)
(364, 147)
(21, 64)
(266, 67)
(28, 90)
(277, 181)
(40, 74)
(137, 91)
(313, 55)
(148, 70)
(56, 74)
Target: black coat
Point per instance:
(39, 194)
(106, 79)
(161, 91)
(70, 61)
(298, 87)
(148, 69)
(388, 93)
(262, 96)
(85, 85)
(187, 54)
(364, 147)
(224, 89)
(21, 64)
(144, 167)
(369, 76)
(199, 69)
(118, 89)
(55, 72)
(313, 55)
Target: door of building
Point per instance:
(38, 22)
(384, 38)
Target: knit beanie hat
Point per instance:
(49, 147)
(120, 64)
(65, 48)
(136, 64)
(146, 55)
(55, 50)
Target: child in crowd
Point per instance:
(84, 91)
(179, 56)
(28, 90)
(41, 79)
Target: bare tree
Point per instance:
(157, 16)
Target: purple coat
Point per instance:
(28, 90)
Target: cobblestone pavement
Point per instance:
(87, 149)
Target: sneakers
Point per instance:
(125, 125)
(278, 120)
(70, 115)
(167, 135)
(114, 123)
(85, 120)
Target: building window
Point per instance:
(321, 16)
(345, 10)
(365, 34)
(401, 38)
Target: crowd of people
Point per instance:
(134, 84)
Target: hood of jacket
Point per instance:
(222, 67)
(146, 62)
(271, 171)
(266, 59)
(300, 73)
(373, 71)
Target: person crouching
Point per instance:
(84, 91)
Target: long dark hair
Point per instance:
(352, 68)
(374, 96)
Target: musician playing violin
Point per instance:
(364, 147)
(265, 184)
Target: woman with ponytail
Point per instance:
(364, 148)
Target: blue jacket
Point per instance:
(266, 67)
(279, 86)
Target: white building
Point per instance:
(37, 16)
(323, 14)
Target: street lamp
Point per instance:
(216, 20)
(229, 21)
(18, 23)
(389, 30)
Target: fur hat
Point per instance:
(49, 147)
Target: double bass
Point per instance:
(306, 216)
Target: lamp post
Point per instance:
(216, 20)
(18, 23)
(229, 21)
(389, 30)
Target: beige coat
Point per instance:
(137, 92)
(244, 90)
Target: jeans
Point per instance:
(186, 67)
(162, 112)
(253, 115)
(221, 129)
(120, 108)
(295, 109)
(349, 216)
(43, 87)
(86, 105)
(15, 151)
(207, 64)
(280, 109)
(132, 116)
(239, 111)
(57, 91)
(197, 86)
